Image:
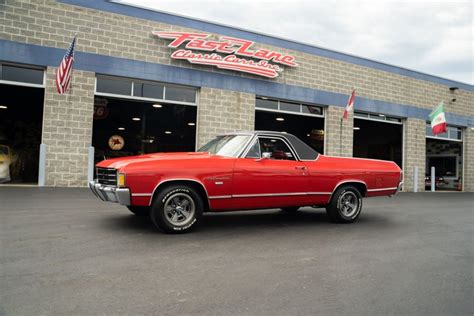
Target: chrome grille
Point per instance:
(107, 176)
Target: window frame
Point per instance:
(377, 117)
(133, 97)
(21, 83)
(300, 104)
(448, 131)
(257, 138)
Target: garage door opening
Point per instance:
(302, 120)
(444, 152)
(377, 136)
(133, 117)
(126, 128)
(21, 119)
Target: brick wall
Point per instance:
(337, 143)
(67, 129)
(414, 151)
(48, 23)
(222, 111)
(468, 160)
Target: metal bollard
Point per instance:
(90, 165)
(433, 179)
(42, 166)
(415, 179)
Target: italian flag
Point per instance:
(438, 119)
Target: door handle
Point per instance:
(300, 168)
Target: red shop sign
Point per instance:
(227, 53)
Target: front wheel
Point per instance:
(345, 205)
(176, 209)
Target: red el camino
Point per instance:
(242, 171)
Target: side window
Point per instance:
(278, 149)
(254, 152)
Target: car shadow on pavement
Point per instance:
(238, 221)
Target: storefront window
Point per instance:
(145, 89)
(310, 109)
(452, 132)
(148, 90)
(114, 85)
(180, 94)
(287, 106)
(21, 74)
(266, 104)
(290, 107)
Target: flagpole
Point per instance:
(72, 72)
(340, 138)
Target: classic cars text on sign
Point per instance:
(227, 53)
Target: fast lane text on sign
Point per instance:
(227, 53)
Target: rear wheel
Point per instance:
(139, 210)
(176, 209)
(291, 209)
(345, 205)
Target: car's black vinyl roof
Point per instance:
(304, 151)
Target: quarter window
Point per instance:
(254, 152)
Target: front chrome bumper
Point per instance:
(110, 193)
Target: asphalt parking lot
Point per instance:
(65, 252)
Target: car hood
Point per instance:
(118, 163)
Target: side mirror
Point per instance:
(265, 155)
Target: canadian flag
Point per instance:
(350, 104)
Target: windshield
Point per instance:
(228, 146)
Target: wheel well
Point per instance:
(358, 185)
(193, 184)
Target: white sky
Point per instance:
(435, 37)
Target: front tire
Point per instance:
(345, 205)
(139, 210)
(176, 209)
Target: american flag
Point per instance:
(64, 72)
(350, 104)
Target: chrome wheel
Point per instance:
(179, 209)
(349, 203)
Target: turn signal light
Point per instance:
(120, 179)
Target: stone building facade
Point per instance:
(117, 40)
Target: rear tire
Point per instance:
(292, 209)
(139, 210)
(345, 205)
(176, 209)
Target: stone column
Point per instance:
(414, 152)
(222, 111)
(67, 129)
(338, 140)
(468, 148)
